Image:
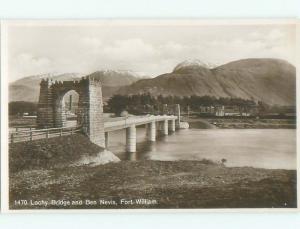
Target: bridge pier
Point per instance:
(106, 140)
(165, 128)
(131, 139)
(177, 113)
(173, 125)
(151, 131)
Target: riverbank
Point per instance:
(153, 184)
(52, 153)
(241, 123)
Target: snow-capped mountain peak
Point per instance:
(194, 63)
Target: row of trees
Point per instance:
(21, 107)
(137, 103)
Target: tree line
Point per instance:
(21, 107)
(146, 103)
(139, 103)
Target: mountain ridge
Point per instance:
(27, 88)
(262, 79)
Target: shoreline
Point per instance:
(240, 123)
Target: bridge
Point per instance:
(51, 118)
(155, 125)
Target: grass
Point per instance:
(50, 153)
(17, 121)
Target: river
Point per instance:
(260, 148)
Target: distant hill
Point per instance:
(28, 88)
(116, 78)
(270, 80)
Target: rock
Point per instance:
(101, 158)
(184, 125)
(106, 157)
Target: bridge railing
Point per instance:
(22, 128)
(21, 136)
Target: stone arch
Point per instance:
(61, 117)
(58, 94)
(90, 106)
(69, 104)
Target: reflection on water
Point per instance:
(263, 148)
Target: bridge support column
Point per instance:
(151, 131)
(177, 113)
(165, 128)
(173, 125)
(106, 140)
(131, 139)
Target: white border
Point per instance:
(146, 22)
(123, 22)
(297, 54)
(4, 120)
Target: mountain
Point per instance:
(193, 63)
(270, 80)
(28, 88)
(114, 78)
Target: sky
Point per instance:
(146, 49)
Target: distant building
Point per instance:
(207, 110)
(222, 111)
(229, 111)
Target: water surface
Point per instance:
(261, 148)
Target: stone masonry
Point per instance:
(51, 111)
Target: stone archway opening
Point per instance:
(70, 108)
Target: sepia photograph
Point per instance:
(149, 114)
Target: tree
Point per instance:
(117, 104)
(223, 161)
(145, 103)
(21, 107)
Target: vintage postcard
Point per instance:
(148, 114)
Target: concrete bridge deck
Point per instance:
(112, 124)
(153, 124)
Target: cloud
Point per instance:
(172, 48)
(152, 51)
(92, 42)
(130, 49)
(275, 35)
(27, 64)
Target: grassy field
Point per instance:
(17, 121)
